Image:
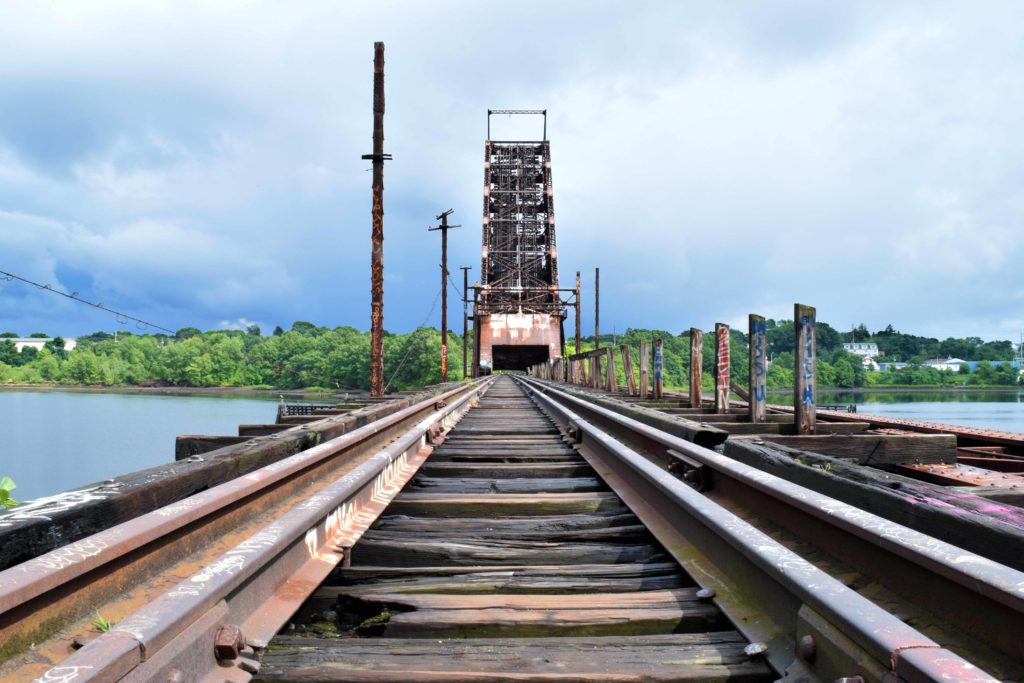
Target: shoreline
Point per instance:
(213, 392)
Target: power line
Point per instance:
(122, 318)
(408, 349)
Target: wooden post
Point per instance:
(377, 231)
(659, 368)
(595, 372)
(627, 368)
(696, 366)
(758, 369)
(645, 359)
(612, 383)
(577, 311)
(721, 368)
(804, 370)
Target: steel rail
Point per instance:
(984, 576)
(35, 601)
(771, 593)
(195, 630)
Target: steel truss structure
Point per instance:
(519, 262)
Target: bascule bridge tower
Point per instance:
(518, 310)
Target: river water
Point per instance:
(53, 441)
(974, 408)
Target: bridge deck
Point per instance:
(507, 557)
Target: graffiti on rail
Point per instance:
(63, 674)
(66, 556)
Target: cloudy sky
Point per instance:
(199, 163)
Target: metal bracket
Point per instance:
(696, 474)
(573, 433)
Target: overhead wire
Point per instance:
(408, 349)
(139, 322)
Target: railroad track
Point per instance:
(546, 537)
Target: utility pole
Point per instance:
(377, 234)
(443, 227)
(465, 319)
(597, 308)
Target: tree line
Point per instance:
(308, 356)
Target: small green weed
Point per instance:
(6, 486)
(101, 624)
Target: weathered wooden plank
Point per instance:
(503, 504)
(972, 522)
(960, 474)
(685, 598)
(186, 446)
(252, 430)
(491, 532)
(876, 449)
(504, 579)
(707, 657)
(530, 524)
(526, 469)
(496, 485)
(788, 428)
(416, 552)
(527, 623)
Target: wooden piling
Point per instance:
(696, 366)
(659, 368)
(804, 371)
(721, 368)
(627, 368)
(758, 369)
(645, 383)
(612, 382)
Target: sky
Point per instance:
(198, 163)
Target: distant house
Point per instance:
(865, 349)
(885, 367)
(951, 364)
(37, 342)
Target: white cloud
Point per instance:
(202, 162)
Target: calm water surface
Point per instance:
(52, 441)
(992, 409)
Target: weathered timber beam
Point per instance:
(186, 446)
(971, 522)
(785, 428)
(875, 449)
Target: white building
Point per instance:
(865, 349)
(36, 342)
(951, 364)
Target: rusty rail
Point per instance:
(964, 589)
(131, 558)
